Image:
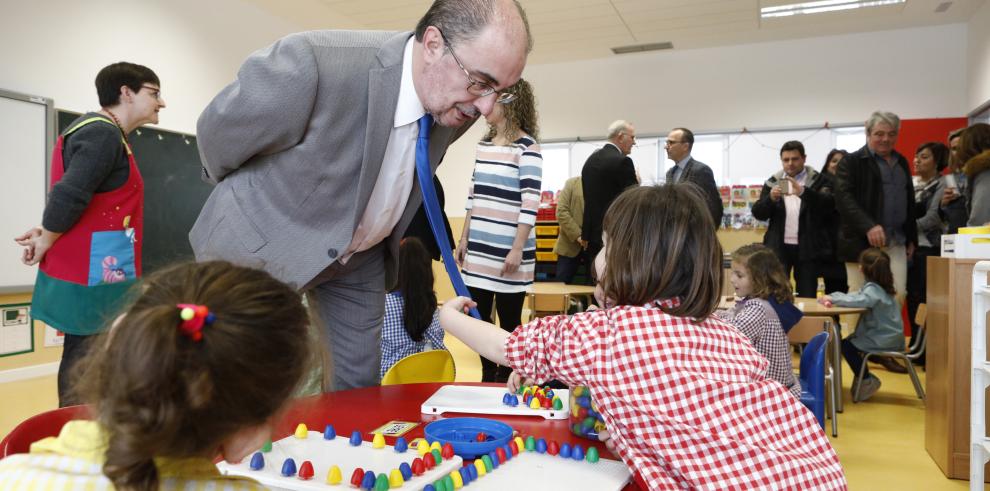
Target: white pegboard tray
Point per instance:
(487, 400)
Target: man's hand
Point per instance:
(583, 243)
(876, 236)
(775, 193)
(796, 188)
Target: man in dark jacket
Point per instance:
(875, 199)
(680, 142)
(798, 203)
(607, 172)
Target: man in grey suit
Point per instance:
(312, 150)
(680, 141)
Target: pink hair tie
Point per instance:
(194, 317)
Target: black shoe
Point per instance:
(892, 365)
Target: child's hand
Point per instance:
(460, 304)
(606, 437)
(825, 300)
(516, 380)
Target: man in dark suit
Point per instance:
(313, 152)
(607, 172)
(680, 141)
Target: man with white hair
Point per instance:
(607, 172)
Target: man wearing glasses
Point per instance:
(313, 150)
(607, 172)
(680, 141)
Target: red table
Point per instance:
(371, 407)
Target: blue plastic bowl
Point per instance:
(462, 434)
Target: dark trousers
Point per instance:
(917, 289)
(834, 274)
(567, 267)
(509, 308)
(854, 358)
(805, 272)
(74, 348)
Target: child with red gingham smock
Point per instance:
(685, 397)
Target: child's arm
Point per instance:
(860, 299)
(487, 339)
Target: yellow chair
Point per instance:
(428, 366)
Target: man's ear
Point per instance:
(433, 45)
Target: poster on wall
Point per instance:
(53, 337)
(15, 329)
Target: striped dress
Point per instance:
(504, 193)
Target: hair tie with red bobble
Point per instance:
(194, 317)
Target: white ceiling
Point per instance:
(566, 30)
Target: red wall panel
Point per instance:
(914, 132)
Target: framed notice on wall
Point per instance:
(16, 334)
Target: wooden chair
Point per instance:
(803, 333)
(424, 367)
(544, 304)
(46, 424)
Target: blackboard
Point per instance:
(174, 193)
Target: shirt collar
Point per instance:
(684, 162)
(408, 109)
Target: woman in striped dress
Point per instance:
(497, 250)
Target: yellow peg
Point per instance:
(378, 441)
(333, 476)
(422, 447)
(436, 446)
(478, 464)
(458, 480)
(395, 479)
(301, 431)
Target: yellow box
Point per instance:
(547, 230)
(545, 243)
(546, 256)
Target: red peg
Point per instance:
(306, 471)
(500, 454)
(514, 447)
(418, 468)
(481, 436)
(428, 461)
(357, 477)
(546, 403)
(582, 413)
(553, 448)
(447, 451)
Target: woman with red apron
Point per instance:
(89, 245)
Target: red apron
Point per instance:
(86, 273)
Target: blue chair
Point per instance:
(812, 376)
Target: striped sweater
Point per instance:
(504, 193)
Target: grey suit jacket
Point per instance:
(295, 145)
(701, 175)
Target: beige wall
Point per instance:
(978, 57)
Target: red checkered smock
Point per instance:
(689, 406)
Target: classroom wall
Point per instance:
(55, 48)
(728, 88)
(978, 57)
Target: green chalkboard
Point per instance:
(174, 193)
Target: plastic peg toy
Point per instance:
(378, 441)
(267, 447)
(368, 481)
(429, 461)
(480, 466)
(306, 470)
(381, 483)
(405, 470)
(356, 438)
(553, 448)
(541, 445)
(494, 458)
(565, 450)
(465, 474)
(418, 468)
(429, 487)
(401, 445)
(333, 475)
(557, 403)
(447, 451)
(288, 468)
(356, 477)
(592, 455)
(473, 471)
(577, 453)
(435, 446)
(437, 456)
(448, 482)
(513, 448)
(481, 437)
(257, 461)
(458, 479)
(395, 478)
(530, 443)
(329, 433)
(487, 461)
(422, 447)
(534, 403)
(519, 443)
(301, 431)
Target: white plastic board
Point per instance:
(487, 400)
(536, 471)
(325, 453)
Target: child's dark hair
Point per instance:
(876, 268)
(661, 244)
(112, 77)
(766, 273)
(158, 392)
(415, 284)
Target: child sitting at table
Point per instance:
(757, 276)
(411, 323)
(684, 396)
(880, 328)
(197, 369)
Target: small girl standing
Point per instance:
(684, 396)
(197, 369)
(411, 322)
(880, 328)
(757, 276)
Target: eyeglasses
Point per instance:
(477, 87)
(671, 143)
(156, 92)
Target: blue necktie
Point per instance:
(432, 206)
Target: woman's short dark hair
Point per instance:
(661, 244)
(831, 153)
(415, 285)
(940, 153)
(112, 77)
